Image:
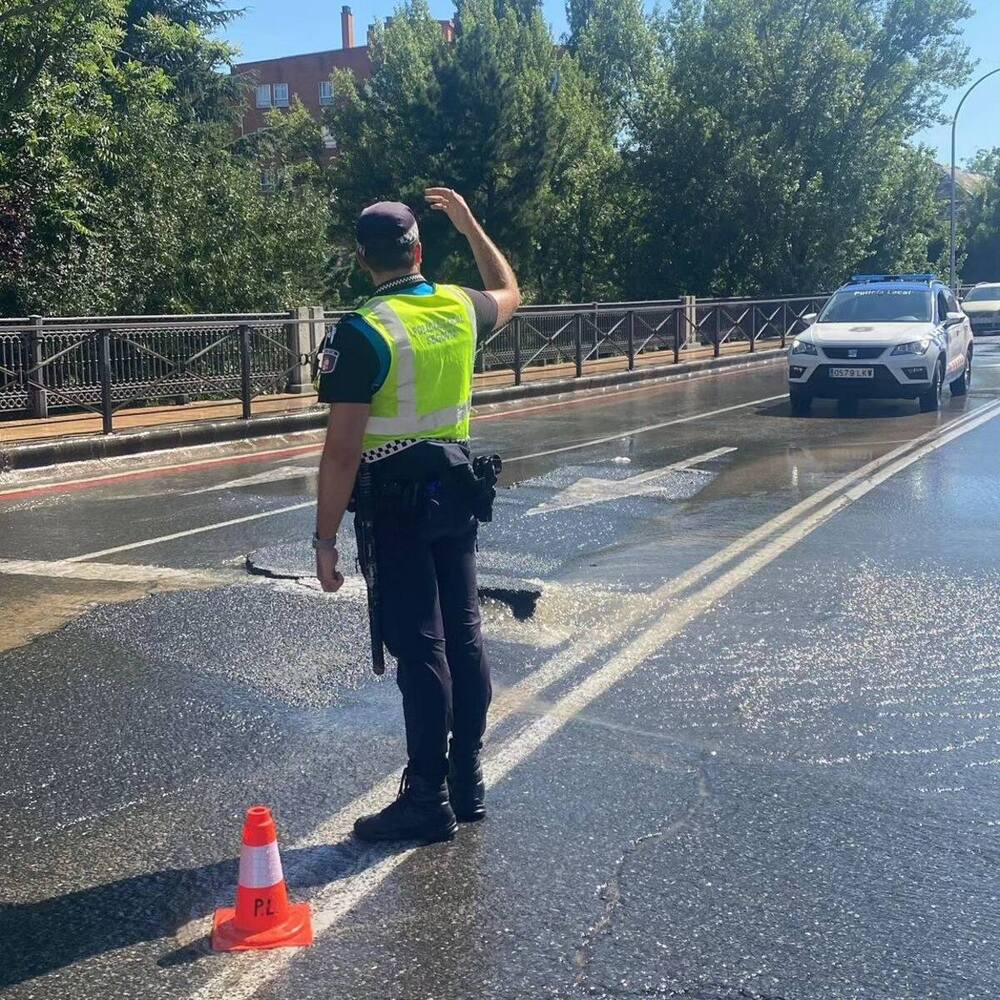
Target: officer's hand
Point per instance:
(326, 570)
(454, 206)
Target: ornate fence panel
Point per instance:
(14, 397)
(105, 364)
(724, 323)
(540, 336)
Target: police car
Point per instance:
(883, 336)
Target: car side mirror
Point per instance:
(954, 317)
(809, 318)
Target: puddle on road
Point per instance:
(31, 606)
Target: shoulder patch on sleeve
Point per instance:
(329, 360)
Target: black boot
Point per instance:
(421, 812)
(466, 786)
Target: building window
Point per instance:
(268, 181)
(328, 140)
(281, 95)
(263, 95)
(325, 92)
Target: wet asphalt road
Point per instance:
(745, 746)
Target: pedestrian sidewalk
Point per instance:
(76, 424)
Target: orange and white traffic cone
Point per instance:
(262, 917)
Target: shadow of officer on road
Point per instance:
(50, 934)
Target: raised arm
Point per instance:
(497, 275)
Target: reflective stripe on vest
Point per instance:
(444, 379)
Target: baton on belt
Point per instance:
(365, 516)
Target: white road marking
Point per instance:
(352, 588)
(691, 418)
(588, 490)
(127, 573)
(240, 980)
(155, 470)
(192, 531)
(310, 503)
(269, 476)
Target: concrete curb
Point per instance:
(95, 447)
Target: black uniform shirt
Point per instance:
(354, 364)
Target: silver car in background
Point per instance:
(982, 306)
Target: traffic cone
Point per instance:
(262, 917)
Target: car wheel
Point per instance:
(847, 407)
(801, 402)
(961, 385)
(931, 400)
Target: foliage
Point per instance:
(719, 147)
(983, 221)
(121, 186)
(913, 228)
(776, 133)
(727, 147)
(481, 115)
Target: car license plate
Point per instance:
(852, 373)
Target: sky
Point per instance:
(271, 28)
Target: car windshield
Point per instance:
(988, 293)
(878, 305)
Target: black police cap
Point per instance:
(387, 222)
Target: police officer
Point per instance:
(398, 375)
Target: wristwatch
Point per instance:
(324, 543)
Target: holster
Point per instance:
(478, 483)
(475, 483)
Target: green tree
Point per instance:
(585, 224)
(767, 150)
(501, 115)
(726, 146)
(208, 15)
(45, 38)
(122, 188)
(200, 88)
(982, 221)
(912, 230)
(616, 44)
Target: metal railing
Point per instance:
(108, 363)
(633, 331)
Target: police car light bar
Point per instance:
(865, 278)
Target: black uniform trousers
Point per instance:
(431, 623)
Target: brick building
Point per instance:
(278, 81)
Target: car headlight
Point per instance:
(803, 347)
(913, 347)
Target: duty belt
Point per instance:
(476, 482)
(403, 495)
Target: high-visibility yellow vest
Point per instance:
(427, 394)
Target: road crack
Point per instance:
(611, 892)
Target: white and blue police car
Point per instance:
(883, 336)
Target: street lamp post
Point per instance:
(953, 277)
